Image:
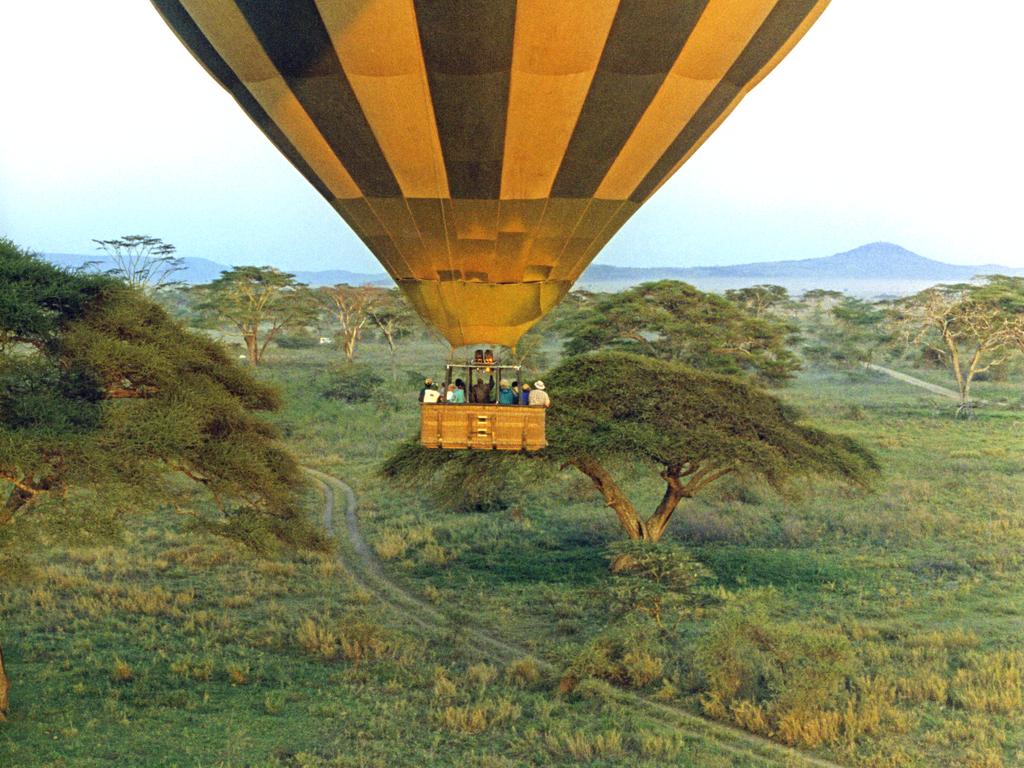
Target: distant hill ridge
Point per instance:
(886, 266)
(203, 271)
(874, 261)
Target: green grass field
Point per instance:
(890, 622)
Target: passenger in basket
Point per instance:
(482, 391)
(430, 396)
(428, 383)
(524, 396)
(538, 397)
(506, 396)
(456, 395)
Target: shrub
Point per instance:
(774, 678)
(238, 674)
(392, 545)
(297, 341)
(584, 747)
(990, 682)
(444, 687)
(469, 719)
(663, 563)
(436, 556)
(523, 673)
(651, 576)
(625, 655)
(122, 672)
(353, 383)
(481, 674)
(475, 718)
(662, 747)
(352, 640)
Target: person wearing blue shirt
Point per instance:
(505, 394)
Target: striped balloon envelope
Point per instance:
(486, 150)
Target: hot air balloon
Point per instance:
(486, 150)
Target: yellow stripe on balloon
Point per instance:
(378, 45)
(232, 37)
(554, 57)
(764, 71)
(722, 33)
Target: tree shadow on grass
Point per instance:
(783, 568)
(575, 559)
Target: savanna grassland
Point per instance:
(879, 628)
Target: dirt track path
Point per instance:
(362, 565)
(933, 388)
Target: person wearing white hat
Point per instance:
(538, 396)
(428, 384)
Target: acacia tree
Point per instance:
(758, 300)
(849, 332)
(260, 302)
(973, 328)
(820, 298)
(690, 427)
(528, 352)
(694, 427)
(674, 321)
(143, 262)
(102, 397)
(393, 318)
(352, 307)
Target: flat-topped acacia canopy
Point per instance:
(486, 150)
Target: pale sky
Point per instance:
(894, 120)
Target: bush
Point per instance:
(626, 655)
(671, 566)
(651, 578)
(523, 673)
(773, 678)
(297, 341)
(351, 639)
(352, 383)
(992, 683)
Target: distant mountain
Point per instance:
(870, 270)
(876, 269)
(338, 276)
(203, 271)
(874, 261)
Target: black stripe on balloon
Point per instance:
(467, 51)
(296, 41)
(784, 19)
(643, 43)
(178, 19)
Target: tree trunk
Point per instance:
(613, 497)
(252, 348)
(5, 686)
(675, 492)
(391, 349)
(972, 369)
(351, 338)
(954, 357)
